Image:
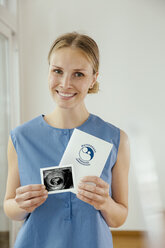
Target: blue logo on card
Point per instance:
(86, 154)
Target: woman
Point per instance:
(65, 219)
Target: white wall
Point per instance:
(131, 38)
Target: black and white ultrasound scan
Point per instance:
(58, 179)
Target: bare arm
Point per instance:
(115, 210)
(19, 201)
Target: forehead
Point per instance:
(70, 56)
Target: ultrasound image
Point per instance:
(58, 179)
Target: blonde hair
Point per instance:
(83, 42)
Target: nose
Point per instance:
(65, 82)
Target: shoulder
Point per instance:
(100, 122)
(26, 125)
(24, 129)
(117, 136)
(107, 130)
(124, 139)
(124, 148)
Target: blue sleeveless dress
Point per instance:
(63, 220)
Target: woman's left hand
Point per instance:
(96, 195)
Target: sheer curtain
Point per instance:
(9, 100)
(4, 123)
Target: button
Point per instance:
(65, 132)
(67, 205)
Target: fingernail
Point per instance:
(43, 186)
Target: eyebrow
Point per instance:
(73, 69)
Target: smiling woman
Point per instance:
(69, 85)
(83, 219)
(85, 45)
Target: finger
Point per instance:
(92, 188)
(31, 209)
(85, 199)
(30, 187)
(30, 203)
(97, 205)
(97, 180)
(90, 195)
(30, 194)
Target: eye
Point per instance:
(57, 71)
(79, 74)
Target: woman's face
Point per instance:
(70, 76)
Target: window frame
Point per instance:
(8, 28)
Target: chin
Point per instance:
(65, 106)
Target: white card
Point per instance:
(87, 153)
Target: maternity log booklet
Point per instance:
(88, 155)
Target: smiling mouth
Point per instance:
(66, 95)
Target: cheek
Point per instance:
(52, 82)
(85, 86)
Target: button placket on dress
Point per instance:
(67, 203)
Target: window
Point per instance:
(9, 96)
(3, 2)
(5, 112)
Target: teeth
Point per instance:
(66, 95)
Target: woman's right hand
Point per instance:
(31, 196)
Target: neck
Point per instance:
(69, 118)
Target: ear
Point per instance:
(94, 79)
